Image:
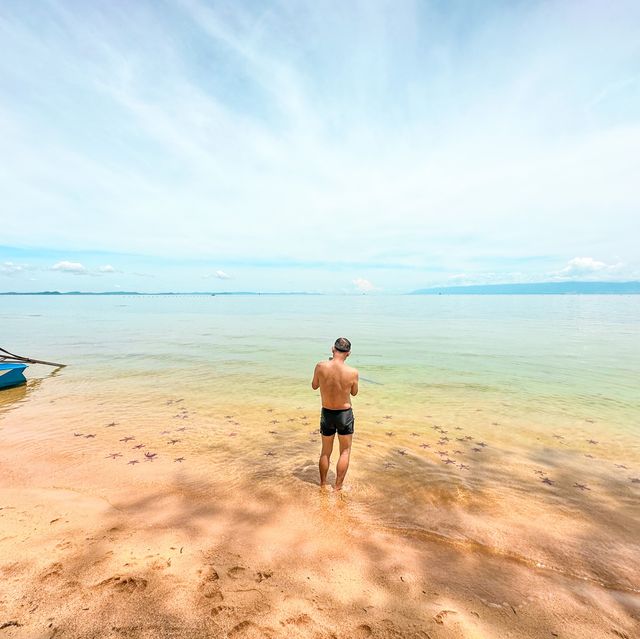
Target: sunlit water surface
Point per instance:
(504, 424)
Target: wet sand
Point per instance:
(226, 546)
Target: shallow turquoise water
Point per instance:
(564, 355)
(538, 379)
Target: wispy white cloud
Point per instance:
(70, 267)
(383, 133)
(11, 268)
(363, 285)
(580, 267)
(107, 268)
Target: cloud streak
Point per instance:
(398, 135)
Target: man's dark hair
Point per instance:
(343, 345)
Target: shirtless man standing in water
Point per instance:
(337, 382)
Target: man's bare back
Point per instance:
(337, 383)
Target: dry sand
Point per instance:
(180, 555)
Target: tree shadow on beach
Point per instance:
(262, 561)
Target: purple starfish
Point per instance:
(114, 455)
(449, 461)
(138, 446)
(133, 461)
(549, 482)
(126, 439)
(581, 486)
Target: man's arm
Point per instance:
(354, 386)
(315, 382)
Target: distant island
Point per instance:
(539, 288)
(205, 294)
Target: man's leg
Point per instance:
(343, 462)
(325, 454)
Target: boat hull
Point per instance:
(11, 374)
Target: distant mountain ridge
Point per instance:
(537, 288)
(205, 293)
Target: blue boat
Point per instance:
(12, 374)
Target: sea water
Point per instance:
(503, 424)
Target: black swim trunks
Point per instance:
(336, 420)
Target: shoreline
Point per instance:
(179, 554)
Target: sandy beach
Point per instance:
(166, 484)
(171, 552)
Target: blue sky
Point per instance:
(320, 146)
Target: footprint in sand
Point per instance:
(299, 620)
(236, 572)
(54, 570)
(249, 630)
(362, 631)
(123, 584)
(442, 615)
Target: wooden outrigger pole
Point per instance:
(6, 356)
